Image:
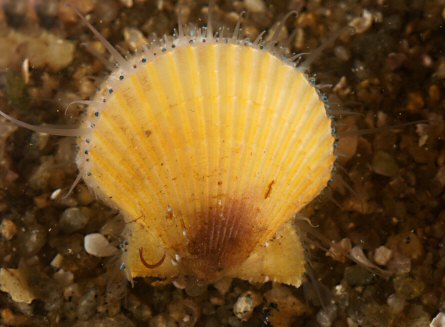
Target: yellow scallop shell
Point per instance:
(209, 150)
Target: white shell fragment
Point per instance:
(56, 262)
(96, 244)
(13, 283)
(382, 255)
(246, 303)
(40, 49)
(438, 321)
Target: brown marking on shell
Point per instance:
(225, 237)
(134, 220)
(169, 214)
(149, 265)
(269, 189)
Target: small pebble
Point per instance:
(162, 320)
(384, 164)
(408, 244)
(342, 53)
(418, 317)
(408, 287)
(396, 303)
(8, 229)
(362, 24)
(134, 38)
(39, 140)
(342, 88)
(107, 11)
(440, 175)
(56, 194)
(440, 70)
(127, 3)
(286, 305)
(50, 51)
(48, 8)
(195, 288)
(306, 19)
(25, 308)
(96, 244)
(74, 219)
(415, 102)
(57, 261)
(9, 318)
(326, 316)
(439, 320)
(13, 282)
(395, 60)
(223, 285)
(119, 320)
(399, 264)
(430, 299)
(358, 276)
(113, 226)
(64, 278)
(351, 322)
(245, 305)
(255, 6)
(32, 240)
(84, 196)
(116, 290)
(185, 311)
(41, 201)
(87, 305)
(67, 15)
(216, 300)
(39, 179)
(434, 94)
(140, 311)
(382, 255)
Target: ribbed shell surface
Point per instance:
(208, 150)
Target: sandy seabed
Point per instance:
(384, 206)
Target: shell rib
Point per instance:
(209, 150)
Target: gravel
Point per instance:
(74, 219)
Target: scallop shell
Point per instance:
(209, 149)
